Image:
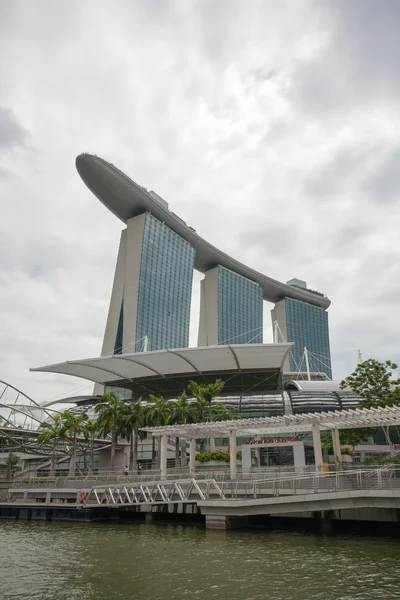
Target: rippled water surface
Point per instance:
(54, 561)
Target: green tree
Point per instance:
(92, 427)
(12, 461)
(373, 384)
(74, 425)
(158, 414)
(348, 437)
(204, 394)
(110, 420)
(182, 411)
(134, 417)
(52, 431)
(220, 412)
(355, 437)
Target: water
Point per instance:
(57, 561)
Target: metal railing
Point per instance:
(118, 475)
(195, 488)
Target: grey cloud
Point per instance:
(360, 62)
(334, 176)
(349, 236)
(11, 131)
(221, 112)
(384, 183)
(271, 240)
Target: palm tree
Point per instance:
(74, 425)
(221, 413)
(158, 415)
(204, 395)
(110, 418)
(92, 427)
(182, 411)
(134, 418)
(52, 431)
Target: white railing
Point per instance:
(213, 488)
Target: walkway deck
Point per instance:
(225, 499)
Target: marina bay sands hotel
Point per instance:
(152, 290)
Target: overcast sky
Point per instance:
(271, 127)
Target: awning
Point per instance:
(183, 361)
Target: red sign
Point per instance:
(267, 441)
(297, 438)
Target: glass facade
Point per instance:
(119, 339)
(240, 309)
(165, 288)
(307, 327)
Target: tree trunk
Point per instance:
(113, 448)
(134, 451)
(153, 451)
(72, 464)
(158, 453)
(53, 461)
(91, 455)
(177, 446)
(183, 453)
(9, 466)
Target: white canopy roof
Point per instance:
(345, 419)
(183, 361)
(316, 386)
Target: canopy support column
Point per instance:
(163, 456)
(316, 434)
(192, 456)
(233, 453)
(336, 445)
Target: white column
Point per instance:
(246, 459)
(336, 444)
(233, 452)
(212, 444)
(258, 451)
(299, 455)
(316, 434)
(163, 456)
(192, 459)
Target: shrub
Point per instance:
(218, 455)
(346, 451)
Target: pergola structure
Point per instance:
(314, 422)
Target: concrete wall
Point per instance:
(278, 314)
(126, 285)
(208, 327)
(133, 255)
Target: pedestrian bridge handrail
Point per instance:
(194, 489)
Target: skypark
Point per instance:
(126, 199)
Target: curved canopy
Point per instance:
(126, 199)
(183, 361)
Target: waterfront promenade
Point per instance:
(223, 500)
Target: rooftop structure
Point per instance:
(126, 199)
(151, 295)
(163, 364)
